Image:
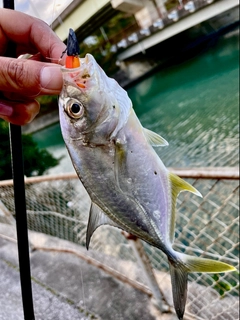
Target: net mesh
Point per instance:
(206, 227)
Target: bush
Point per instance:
(36, 161)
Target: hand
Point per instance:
(22, 80)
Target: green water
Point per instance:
(194, 106)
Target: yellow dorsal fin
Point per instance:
(181, 185)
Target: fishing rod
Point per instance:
(15, 135)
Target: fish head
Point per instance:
(92, 106)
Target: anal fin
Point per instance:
(96, 218)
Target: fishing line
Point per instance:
(20, 203)
(51, 24)
(54, 5)
(83, 293)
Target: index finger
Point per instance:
(32, 33)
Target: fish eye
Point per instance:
(75, 110)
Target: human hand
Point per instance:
(22, 80)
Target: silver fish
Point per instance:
(126, 180)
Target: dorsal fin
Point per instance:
(96, 218)
(154, 139)
(178, 185)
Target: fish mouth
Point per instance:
(86, 76)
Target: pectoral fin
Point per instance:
(178, 185)
(96, 218)
(154, 139)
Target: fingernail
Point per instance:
(5, 110)
(51, 78)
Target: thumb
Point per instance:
(29, 78)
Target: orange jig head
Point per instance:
(72, 62)
(72, 59)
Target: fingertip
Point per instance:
(22, 112)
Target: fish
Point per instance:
(114, 157)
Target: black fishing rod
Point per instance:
(20, 203)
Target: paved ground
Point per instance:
(66, 287)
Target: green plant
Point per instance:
(115, 29)
(36, 161)
(171, 4)
(224, 286)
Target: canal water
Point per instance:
(193, 105)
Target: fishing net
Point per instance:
(206, 227)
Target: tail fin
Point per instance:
(179, 270)
(196, 264)
(179, 277)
